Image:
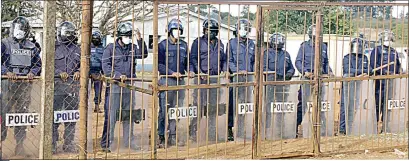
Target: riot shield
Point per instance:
(20, 116)
(211, 103)
(359, 107)
(279, 112)
(243, 107)
(396, 104)
(326, 111)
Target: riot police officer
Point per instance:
(96, 66)
(117, 62)
(354, 64)
(172, 61)
(305, 65)
(277, 60)
(66, 87)
(207, 48)
(385, 59)
(19, 57)
(241, 51)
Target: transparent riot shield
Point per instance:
(396, 94)
(279, 111)
(243, 107)
(142, 115)
(210, 125)
(326, 114)
(359, 106)
(20, 118)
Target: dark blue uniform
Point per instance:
(241, 58)
(380, 56)
(305, 63)
(176, 56)
(17, 94)
(96, 68)
(200, 48)
(353, 65)
(280, 62)
(66, 94)
(119, 63)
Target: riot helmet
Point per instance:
(96, 38)
(175, 28)
(312, 32)
(277, 41)
(124, 31)
(243, 28)
(357, 45)
(66, 32)
(20, 28)
(211, 25)
(387, 38)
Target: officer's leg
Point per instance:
(278, 97)
(71, 103)
(97, 96)
(104, 138)
(161, 118)
(58, 104)
(128, 125)
(22, 102)
(306, 89)
(342, 108)
(323, 113)
(5, 107)
(115, 103)
(377, 99)
(269, 97)
(193, 122)
(299, 110)
(388, 96)
(171, 103)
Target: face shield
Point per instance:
(67, 34)
(357, 47)
(243, 30)
(18, 31)
(387, 39)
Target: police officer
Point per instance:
(305, 65)
(117, 63)
(385, 60)
(354, 64)
(207, 48)
(277, 60)
(172, 61)
(241, 60)
(19, 57)
(66, 87)
(96, 66)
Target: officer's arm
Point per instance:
(265, 60)
(374, 56)
(162, 61)
(78, 59)
(367, 70)
(3, 59)
(232, 64)
(143, 53)
(290, 72)
(398, 64)
(327, 67)
(223, 58)
(193, 57)
(36, 61)
(107, 62)
(299, 60)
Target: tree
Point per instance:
(10, 9)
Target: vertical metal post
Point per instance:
(258, 101)
(317, 91)
(154, 124)
(47, 80)
(84, 72)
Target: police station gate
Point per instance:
(279, 90)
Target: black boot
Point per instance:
(230, 136)
(161, 141)
(172, 140)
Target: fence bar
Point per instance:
(257, 88)
(47, 81)
(317, 94)
(84, 72)
(154, 132)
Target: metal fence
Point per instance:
(220, 88)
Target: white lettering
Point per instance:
(245, 108)
(22, 119)
(66, 116)
(396, 104)
(280, 107)
(21, 52)
(325, 106)
(182, 112)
